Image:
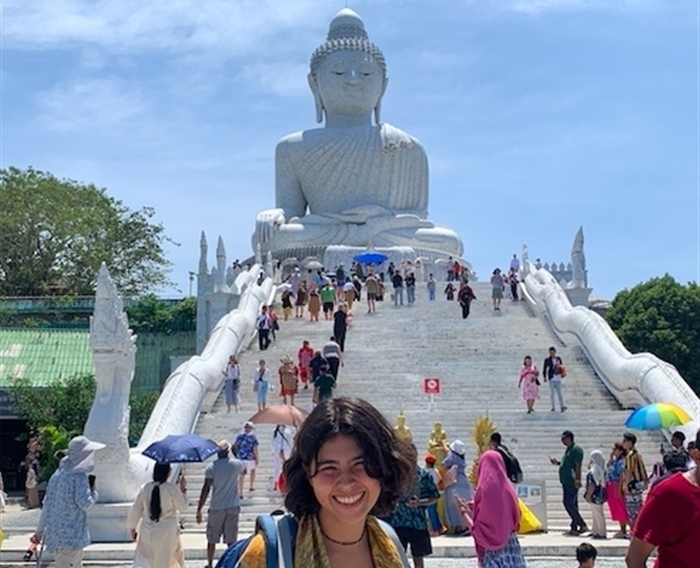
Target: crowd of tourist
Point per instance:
(354, 483)
(347, 468)
(621, 481)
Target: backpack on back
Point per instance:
(279, 532)
(513, 470)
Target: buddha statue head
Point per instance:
(348, 72)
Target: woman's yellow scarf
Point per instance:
(311, 550)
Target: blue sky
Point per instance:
(538, 116)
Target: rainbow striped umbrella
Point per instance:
(656, 416)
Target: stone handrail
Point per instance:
(202, 373)
(121, 470)
(633, 379)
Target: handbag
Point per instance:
(450, 477)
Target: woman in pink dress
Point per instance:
(305, 354)
(529, 383)
(616, 501)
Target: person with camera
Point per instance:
(553, 371)
(69, 494)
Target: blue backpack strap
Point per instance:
(391, 533)
(287, 535)
(267, 525)
(279, 533)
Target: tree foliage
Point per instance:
(55, 234)
(153, 314)
(63, 404)
(663, 317)
(59, 412)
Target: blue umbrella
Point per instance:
(181, 448)
(370, 257)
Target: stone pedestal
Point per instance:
(107, 522)
(578, 296)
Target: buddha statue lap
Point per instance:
(351, 182)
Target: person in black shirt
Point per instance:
(465, 297)
(397, 282)
(340, 325)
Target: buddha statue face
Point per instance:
(348, 83)
(437, 427)
(401, 420)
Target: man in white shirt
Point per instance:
(515, 263)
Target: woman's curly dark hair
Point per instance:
(387, 459)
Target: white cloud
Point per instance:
(91, 58)
(441, 59)
(537, 7)
(285, 80)
(162, 25)
(101, 105)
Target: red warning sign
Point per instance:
(431, 385)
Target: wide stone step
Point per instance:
(390, 352)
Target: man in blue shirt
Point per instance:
(246, 446)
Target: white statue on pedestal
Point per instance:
(113, 352)
(351, 182)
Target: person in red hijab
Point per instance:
(493, 517)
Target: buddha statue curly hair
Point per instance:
(346, 32)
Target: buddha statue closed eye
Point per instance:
(350, 182)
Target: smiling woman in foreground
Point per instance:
(346, 467)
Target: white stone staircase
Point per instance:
(388, 353)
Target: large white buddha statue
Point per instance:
(350, 182)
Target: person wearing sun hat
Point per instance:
(69, 494)
(289, 379)
(456, 486)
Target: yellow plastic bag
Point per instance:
(528, 521)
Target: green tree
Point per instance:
(60, 410)
(663, 317)
(152, 314)
(54, 235)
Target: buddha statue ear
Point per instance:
(378, 106)
(318, 103)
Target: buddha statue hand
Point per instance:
(265, 225)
